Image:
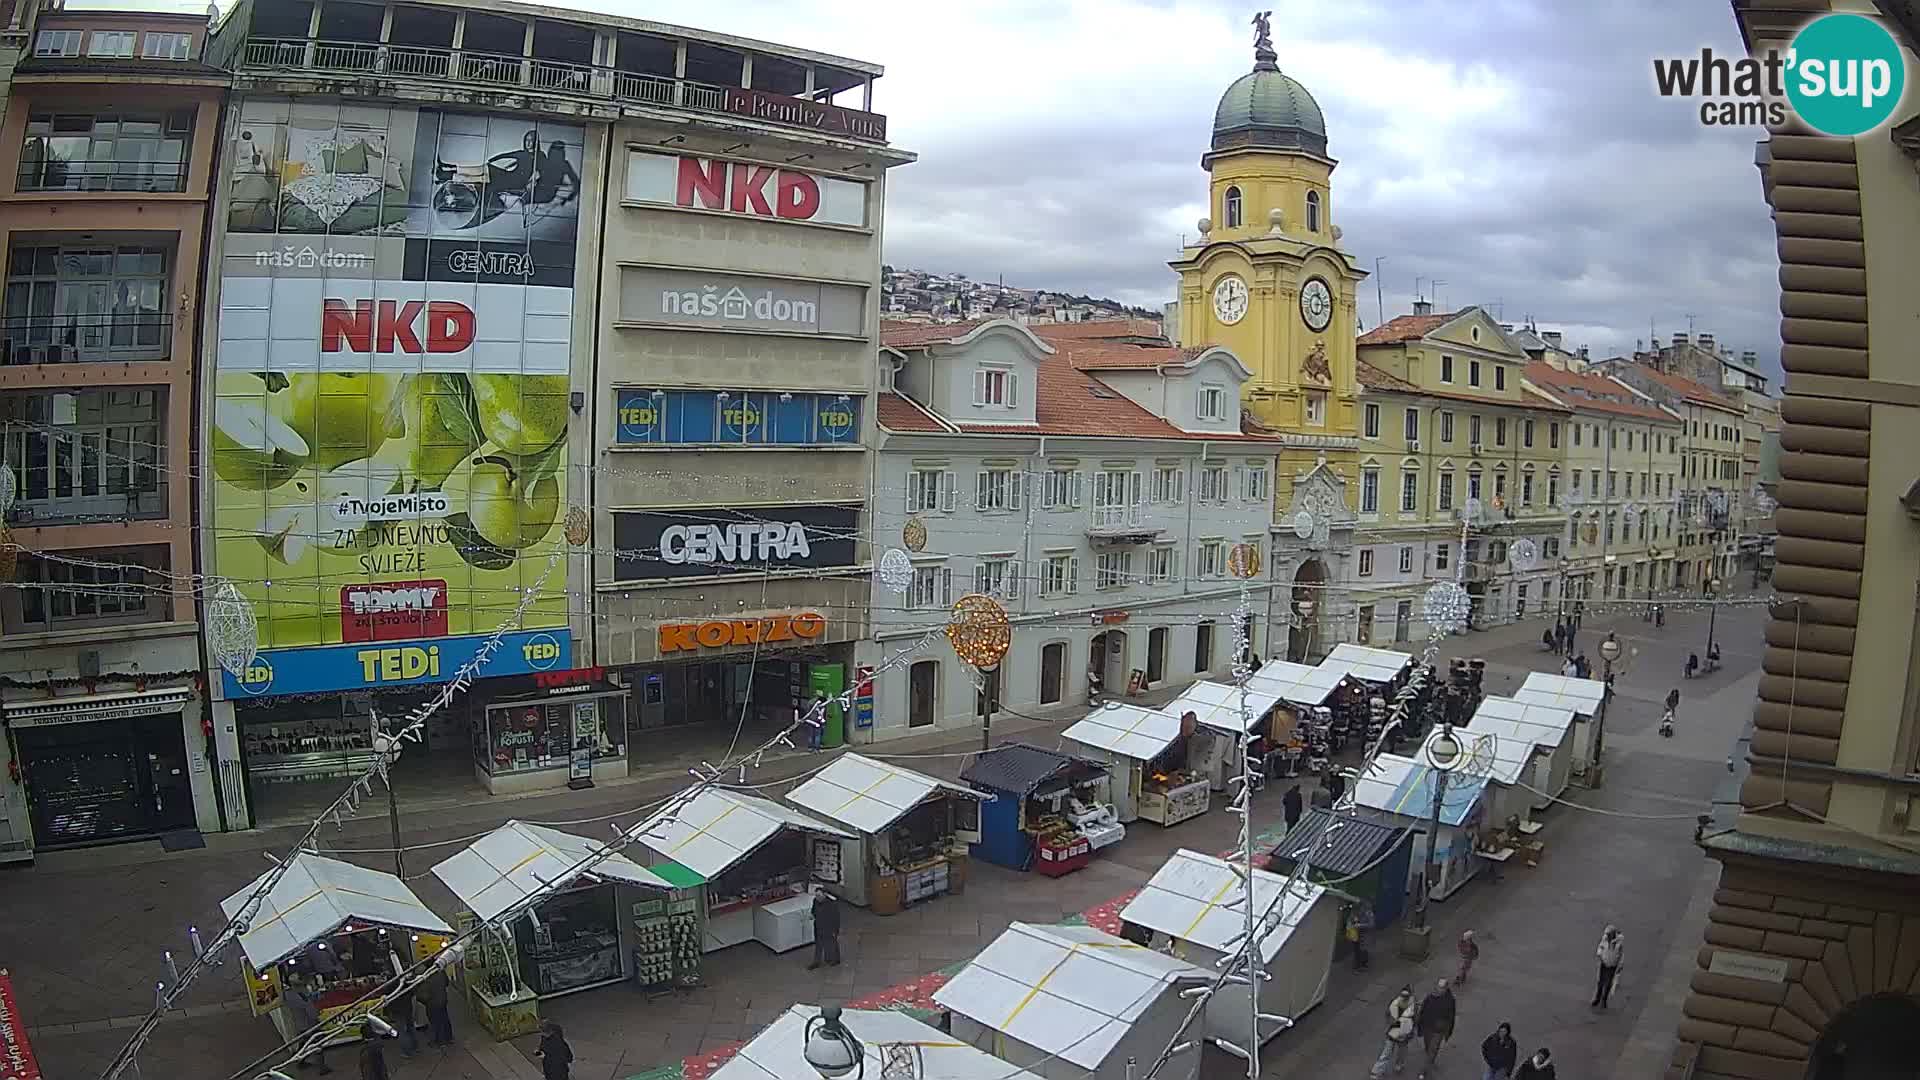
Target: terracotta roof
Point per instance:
(1689, 389)
(1374, 379)
(901, 413)
(908, 335)
(1069, 402)
(1587, 392)
(1099, 328)
(1404, 328)
(1107, 356)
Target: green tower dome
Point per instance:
(1266, 109)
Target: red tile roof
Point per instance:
(1373, 378)
(1587, 392)
(1106, 356)
(903, 414)
(1404, 328)
(908, 335)
(1107, 329)
(1689, 389)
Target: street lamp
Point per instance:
(1713, 611)
(1609, 652)
(830, 1048)
(1443, 753)
(388, 747)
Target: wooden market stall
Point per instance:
(1073, 1003)
(1377, 666)
(1148, 752)
(1049, 812)
(910, 831)
(1510, 760)
(1228, 712)
(1303, 692)
(339, 929)
(779, 1051)
(1192, 905)
(1363, 858)
(1551, 727)
(1583, 697)
(756, 859)
(1398, 791)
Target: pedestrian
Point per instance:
(433, 994)
(826, 928)
(1611, 951)
(1571, 631)
(1336, 784)
(556, 1057)
(1434, 1022)
(818, 720)
(303, 1008)
(1537, 1067)
(1359, 925)
(1583, 666)
(1393, 1051)
(399, 1012)
(1290, 805)
(373, 1054)
(1469, 952)
(1673, 699)
(1570, 669)
(1499, 1051)
(1321, 798)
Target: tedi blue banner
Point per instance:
(378, 664)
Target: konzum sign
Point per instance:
(746, 188)
(720, 634)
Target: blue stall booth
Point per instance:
(1049, 812)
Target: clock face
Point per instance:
(1230, 299)
(1316, 304)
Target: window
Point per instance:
(1253, 483)
(1116, 497)
(1213, 403)
(1060, 575)
(1473, 430)
(1613, 483)
(1370, 415)
(1213, 483)
(113, 44)
(1232, 211)
(1473, 483)
(1313, 211)
(1446, 489)
(127, 586)
(1441, 554)
(1526, 489)
(932, 587)
(1446, 368)
(996, 386)
(997, 489)
(1163, 564)
(1369, 491)
(1446, 427)
(929, 491)
(1363, 633)
(1610, 523)
(923, 684)
(1061, 490)
(1473, 373)
(1520, 602)
(1499, 431)
(1499, 377)
(1593, 484)
(1409, 491)
(1213, 558)
(1576, 434)
(1613, 439)
(1643, 440)
(1411, 425)
(1157, 654)
(1629, 492)
(1403, 622)
(997, 575)
(1500, 486)
(1551, 547)
(167, 47)
(55, 43)
(1203, 646)
(1553, 489)
(1113, 570)
(1406, 559)
(1169, 484)
(1316, 407)
(1576, 477)
(87, 303)
(1366, 562)
(86, 453)
(1526, 433)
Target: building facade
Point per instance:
(1095, 486)
(107, 151)
(1711, 448)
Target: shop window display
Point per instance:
(541, 735)
(571, 941)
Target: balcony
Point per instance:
(1120, 524)
(76, 339)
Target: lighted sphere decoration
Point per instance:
(1471, 508)
(979, 631)
(1243, 561)
(579, 527)
(914, 534)
(1446, 606)
(896, 571)
(1523, 554)
(233, 634)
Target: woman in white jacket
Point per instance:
(1610, 952)
(1393, 1053)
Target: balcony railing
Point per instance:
(151, 176)
(1116, 517)
(556, 76)
(74, 339)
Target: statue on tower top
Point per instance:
(1263, 52)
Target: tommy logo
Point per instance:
(393, 611)
(396, 326)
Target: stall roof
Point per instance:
(1501, 751)
(1352, 849)
(1581, 695)
(1297, 683)
(1021, 768)
(1555, 719)
(518, 859)
(1138, 733)
(1070, 991)
(1403, 786)
(316, 896)
(868, 795)
(1193, 897)
(1217, 705)
(719, 828)
(1372, 665)
(779, 1051)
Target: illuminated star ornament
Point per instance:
(1446, 606)
(233, 634)
(979, 631)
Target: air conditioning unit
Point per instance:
(1476, 447)
(1413, 446)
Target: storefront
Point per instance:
(912, 831)
(756, 859)
(1150, 753)
(1049, 810)
(1231, 713)
(551, 730)
(105, 767)
(712, 676)
(336, 929)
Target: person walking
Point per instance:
(373, 1055)
(1336, 783)
(399, 1012)
(1434, 1022)
(1500, 1052)
(556, 1057)
(1469, 950)
(433, 994)
(1291, 804)
(303, 1008)
(1611, 951)
(1570, 669)
(1393, 1051)
(826, 928)
(1359, 926)
(1537, 1067)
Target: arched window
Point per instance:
(1232, 210)
(1313, 211)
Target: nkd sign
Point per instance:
(737, 302)
(745, 188)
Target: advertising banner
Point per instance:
(389, 426)
(708, 301)
(734, 418)
(751, 189)
(699, 542)
(16, 1053)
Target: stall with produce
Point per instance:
(333, 930)
(1050, 810)
(1228, 712)
(1398, 791)
(756, 858)
(1147, 750)
(910, 831)
(1583, 697)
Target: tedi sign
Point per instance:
(753, 189)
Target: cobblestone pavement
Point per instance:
(83, 931)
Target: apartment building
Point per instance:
(106, 159)
(1095, 486)
(1712, 447)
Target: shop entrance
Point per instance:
(1308, 603)
(1107, 663)
(105, 780)
(693, 706)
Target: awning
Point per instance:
(1371, 665)
(1217, 705)
(779, 1051)
(1128, 730)
(1196, 898)
(317, 896)
(518, 859)
(718, 828)
(1581, 695)
(1494, 749)
(869, 795)
(1553, 719)
(84, 708)
(1404, 787)
(1297, 683)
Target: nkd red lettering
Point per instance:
(408, 326)
(705, 184)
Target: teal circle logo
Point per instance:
(1845, 74)
(257, 678)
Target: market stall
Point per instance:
(910, 831)
(1073, 1002)
(1583, 697)
(1365, 859)
(1192, 905)
(779, 1051)
(1398, 791)
(1229, 712)
(1050, 811)
(1509, 758)
(341, 930)
(1381, 667)
(1304, 712)
(1149, 753)
(756, 859)
(1550, 726)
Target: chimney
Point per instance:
(1706, 342)
(1423, 307)
(1679, 339)
(1552, 338)
(1750, 358)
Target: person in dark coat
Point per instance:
(304, 1010)
(1537, 1067)
(1434, 1023)
(826, 929)
(1291, 805)
(556, 1057)
(433, 994)
(1336, 784)
(399, 1013)
(1500, 1053)
(373, 1055)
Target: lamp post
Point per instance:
(388, 746)
(832, 1050)
(1443, 754)
(989, 687)
(1713, 610)
(1609, 652)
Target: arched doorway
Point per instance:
(1308, 606)
(1875, 1038)
(1107, 663)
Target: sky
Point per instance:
(1513, 149)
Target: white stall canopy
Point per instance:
(1404, 787)
(519, 859)
(1297, 683)
(779, 1051)
(1217, 705)
(1128, 730)
(1070, 991)
(718, 828)
(1368, 664)
(1196, 898)
(317, 896)
(1580, 695)
(1498, 752)
(1557, 719)
(869, 795)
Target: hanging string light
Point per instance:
(895, 571)
(233, 633)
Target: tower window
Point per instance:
(1313, 211)
(1233, 208)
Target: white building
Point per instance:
(1094, 487)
